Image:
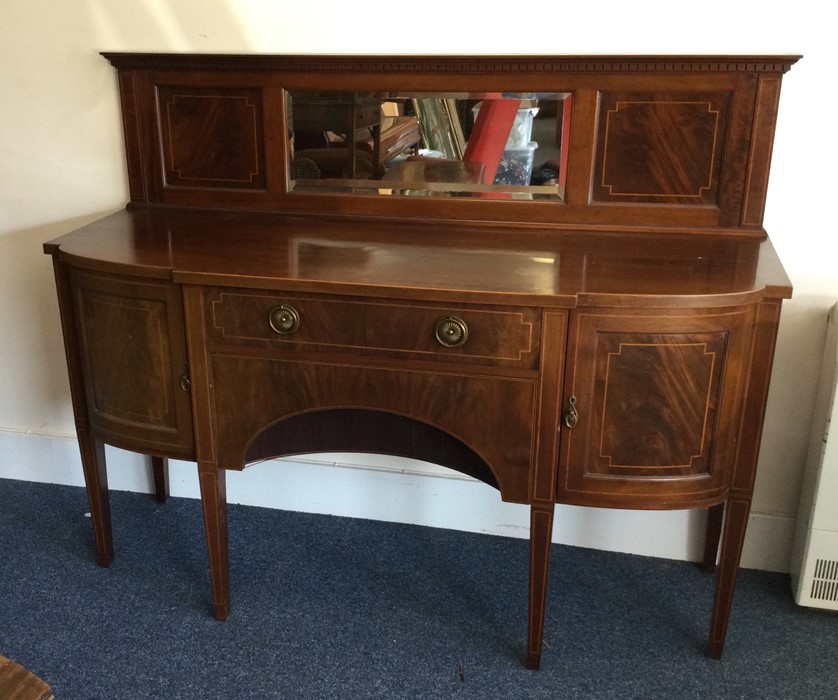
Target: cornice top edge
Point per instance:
(448, 63)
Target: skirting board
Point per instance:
(393, 489)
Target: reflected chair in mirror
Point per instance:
(350, 137)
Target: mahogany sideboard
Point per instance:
(603, 337)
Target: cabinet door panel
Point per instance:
(658, 399)
(133, 354)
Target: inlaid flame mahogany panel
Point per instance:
(134, 355)
(657, 400)
(253, 393)
(212, 137)
(659, 404)
(660, 147)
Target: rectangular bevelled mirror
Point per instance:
(500, 145)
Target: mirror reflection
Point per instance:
(498, 145)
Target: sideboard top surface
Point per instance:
(389, 260)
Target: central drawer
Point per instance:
(500, 336)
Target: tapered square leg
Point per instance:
(733, 537)
(541, 532)
(96, 482)
(160, 472)
(214, 502)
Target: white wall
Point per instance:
(61, 165)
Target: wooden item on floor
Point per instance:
(16, 683)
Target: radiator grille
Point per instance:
(825, 582)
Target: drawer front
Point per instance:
(500, 336)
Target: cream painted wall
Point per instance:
(61, 160)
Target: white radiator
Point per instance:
(814, 560)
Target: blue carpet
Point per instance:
(327, 607)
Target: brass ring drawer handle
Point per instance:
(451, 331)
(284, 319)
